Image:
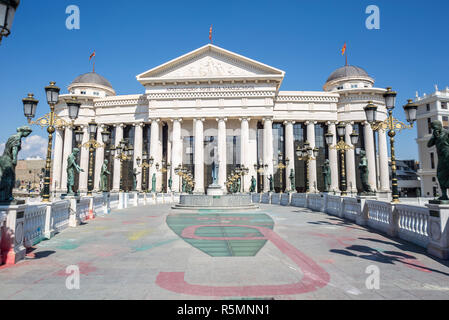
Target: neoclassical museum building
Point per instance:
(211, 101)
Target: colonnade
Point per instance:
(248, 154)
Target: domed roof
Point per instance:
(347, 71)
(92, 77)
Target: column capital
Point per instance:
(139, 124)
(157, 120)
(330, 123)
(221, 119)
(289, 121)
(176, 119)
(264, 119)
(199, 119)
(244, 119)
(308, 122)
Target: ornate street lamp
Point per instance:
(261, 170)
(307, 154)
(281, 165)
(91, 145)
(144, 167)
(392, 125)
(8, 9)
(342, 146)
(50, 121)
(122, 152)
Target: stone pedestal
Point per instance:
(438, 230)
(49, 232)
(362, 219)
(12, 248)
(106, 203)
(215, 190)
(74, 218)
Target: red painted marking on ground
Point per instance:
(132, 222)
(328, 261)
(334, 241)
(85, 268)
(414, 264)
(314, 277)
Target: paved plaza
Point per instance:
(276, 252)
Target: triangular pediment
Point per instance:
(209, 62)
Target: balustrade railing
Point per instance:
(413, 224)
(60, 212)
(351, 208)
(34, 225)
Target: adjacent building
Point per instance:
(431, 107)
(213, 104)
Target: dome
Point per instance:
(346, 72)
(92, 77)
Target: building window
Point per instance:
(428, 107)
(446, 122)
(432, 160)
(83, 92)
(434, 179)
(340, 88)
(96, 93)
(429, 125)
(353, 86)
(444, 105)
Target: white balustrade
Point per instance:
(114, 200)
(265, 198)
(255, 198)
(333, 205)
(82, 209)
(351, 208)
(299, 200)
(275, 198)
(285, 199)
(34, 225)
(315, 201)
(98, 205)
(60, 212)
(380, 216)
(413, 223)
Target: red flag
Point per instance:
(92, 55)
(343, 51)
(210, 34)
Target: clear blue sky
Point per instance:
(410, 51)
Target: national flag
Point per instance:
(210, 33)
(343, 51)
(92, 55)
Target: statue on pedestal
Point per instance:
(104, 177)
(8, 162)
(326, 168)
(239, 183)
(71, 167)
(271, 183)
(253, 184)
(440, 139)
(135, 173)
(214, 172)
(170, 183)
(153, 183)
(292, 178)
(364, 172)
(183, 185)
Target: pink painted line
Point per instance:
(314, 277)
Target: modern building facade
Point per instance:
(215, 101)
(430, 108)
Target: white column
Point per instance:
(350, 162)
(67, 151)
(370, 155)
(57, 161)
(384, 171)
(154, 152)
(84, 161)
(138, 138)
(176, 152)
(222, 152)
(99, 158)
(252, 152)
(312, 163)
(117, 163)
(333, 159)
(169, 154)
(268, 151)
(199, 156)
(244, 149)
(289, 151)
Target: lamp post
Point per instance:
(281, 165)
(122, 152)
(165, 167)
(91, 145)
(342, 146)
(145, 165)
(261, 170)
(307, 154)
(8, 9)
(50, 121)
(393, 125)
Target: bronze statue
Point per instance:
(135, 173)
(364, 172)
(104, 179)
(71, 167)
(326, 175)
(8, 162)
(253, 184)
(153, 183)
(292, 178)
(271, 183)
(440, 139)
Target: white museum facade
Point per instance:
(211, 101)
